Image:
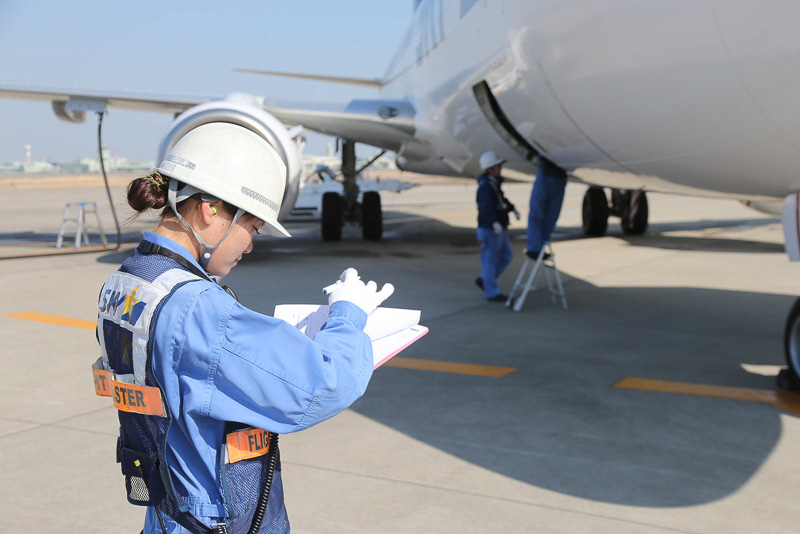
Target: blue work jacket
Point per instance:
(493, 206)
(218, 361)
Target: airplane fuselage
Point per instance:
(672, 96)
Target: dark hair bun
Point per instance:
(148, 192)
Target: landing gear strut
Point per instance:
(338, 209)
(632, 210)
(630, 206)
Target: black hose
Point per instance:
(105, 178)
(261, 507)
(110, 201)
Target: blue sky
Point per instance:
(184, 48)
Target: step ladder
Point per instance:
(80, 220)
(519, 291)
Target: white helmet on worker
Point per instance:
(233, 164)
(490, 159)
(227, 162)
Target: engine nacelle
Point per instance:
(246, 111)
(67, 115)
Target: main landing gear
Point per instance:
(340, 209)
(630, 206)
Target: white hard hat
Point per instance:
(233, 164)
(490, 159)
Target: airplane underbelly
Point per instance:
(699, 94)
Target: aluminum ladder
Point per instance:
(519, 291)
(80, 220)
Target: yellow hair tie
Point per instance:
(157, 180)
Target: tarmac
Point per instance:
(648, 406)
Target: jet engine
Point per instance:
(247, 111)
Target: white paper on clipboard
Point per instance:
(391, 330)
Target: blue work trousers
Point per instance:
(495, 257)
(546, 200)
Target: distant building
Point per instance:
(29, 167)
(79, 166)
(13, 167)
(39, 167)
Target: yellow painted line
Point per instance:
(53, 319)
(780, 399)
(492, 371)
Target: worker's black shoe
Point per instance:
(534, 255)
(498, 298)
(479, 282)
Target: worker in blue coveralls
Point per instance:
(203, 385)
(546, 200)
(493, 210)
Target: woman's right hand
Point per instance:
(350, 288)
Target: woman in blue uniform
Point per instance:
(204, 385)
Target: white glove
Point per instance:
(497, 227)
(516, 214)
(350, 288)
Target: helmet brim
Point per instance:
(494, 163)
(276, 229)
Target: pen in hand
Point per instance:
(327, 290)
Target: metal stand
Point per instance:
(519, 291)
(80, 231)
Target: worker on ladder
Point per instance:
(493, 210)
(545, 207)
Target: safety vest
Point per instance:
(128, 312)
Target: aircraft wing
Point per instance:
(137, 101)
(381, 123)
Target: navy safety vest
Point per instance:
(128, 312)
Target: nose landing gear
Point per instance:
(338, 209)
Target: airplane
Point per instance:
(628, 97)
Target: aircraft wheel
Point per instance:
(791, 341)
(637, 224)
(371, 216)
(331, 217)
(595, 212)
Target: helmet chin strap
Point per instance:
(208, 250)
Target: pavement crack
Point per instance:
(55, 424)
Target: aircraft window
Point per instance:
(466, 5)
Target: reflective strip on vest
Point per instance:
(126, 396)
(102, 382)
(246, 444)
(137, 399)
